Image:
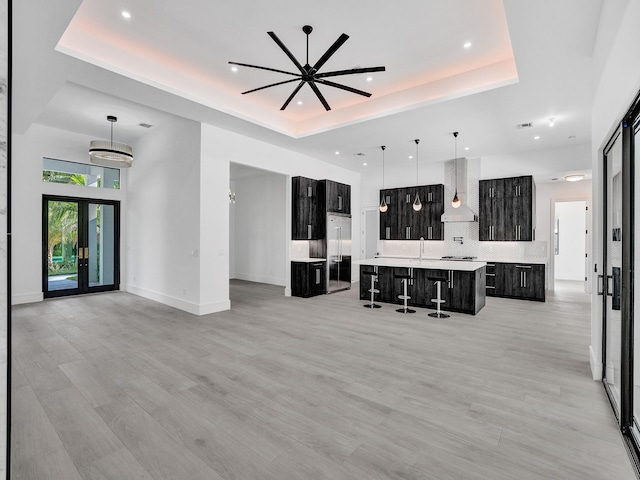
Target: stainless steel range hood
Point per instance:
(463, 213)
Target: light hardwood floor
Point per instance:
(114, 386)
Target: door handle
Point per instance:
(339, 202)
(524, 277)
(308, 232)
(387, 231)
(600, 285)
(317, 276)
(609, 291)
(408, 233)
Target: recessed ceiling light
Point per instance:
(410, 156)
(466, 148)
(552, 122)
(126, 14)
(369, 79)
(467, 44)
(365, 164)
(337, 153)
(234, 69)
(537, 137)
(574, 178)
(299, 102)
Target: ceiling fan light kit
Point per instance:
(308, 74)
(110, 153)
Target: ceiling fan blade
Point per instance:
(286, 51)
(343, 87)
(264, 68)
(319, 95)
(296, 90)
(271, 85)
(332, 49)
(352, 71)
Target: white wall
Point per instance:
(163, 216)
(220, 148)
(258, 234)
(616, 82)
(28, 188)
(569, 262)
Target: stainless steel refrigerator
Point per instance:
(338, 252)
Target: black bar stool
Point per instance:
(437, 281)
(404, 278)
(373, 290)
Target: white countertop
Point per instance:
(459, 265)
(308, 260)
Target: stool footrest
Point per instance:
(404, 297)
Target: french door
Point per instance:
(80, 246)
(620, 276)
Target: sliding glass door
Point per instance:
(80, 246)
(620, 276)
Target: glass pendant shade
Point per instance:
(455, 203)
(417, 204)
(383, 205)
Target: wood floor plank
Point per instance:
(318, 388)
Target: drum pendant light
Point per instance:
(110, 153)
(455, 203)
(383, 203)
(417, 204)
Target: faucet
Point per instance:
(421, 248)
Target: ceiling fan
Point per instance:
(309, 74)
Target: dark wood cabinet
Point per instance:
(335, 196)
(308, 278)
(402, 222)
(507, 209)
(304, 217)
(389, 219)
(524, 281)
(462, 291)
(311, 200)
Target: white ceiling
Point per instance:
(529, 61)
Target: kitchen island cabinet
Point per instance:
(463, 286)
(524, 281)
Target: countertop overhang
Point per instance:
(459, 265)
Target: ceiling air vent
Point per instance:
(524, 125)
(359, 154)
(145, 125)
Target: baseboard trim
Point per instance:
(180, 304)
(248, 277)
(596, 366)
(26, 298)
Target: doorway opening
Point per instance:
(571, 242)
(80, 246)
(258, 243)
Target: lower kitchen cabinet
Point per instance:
(462, 291)
(308, 278)
(525, 281)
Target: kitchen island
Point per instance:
(463, 286)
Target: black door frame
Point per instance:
(83, 283)
(624, 415)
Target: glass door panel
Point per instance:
(101, 242)
(613, 270)
(80, 246)
(636, 297)
(61, 245)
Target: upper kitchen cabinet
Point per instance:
(304, 201)
(402, 222)
(335, 196)
(389, 220)
(507, 209)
